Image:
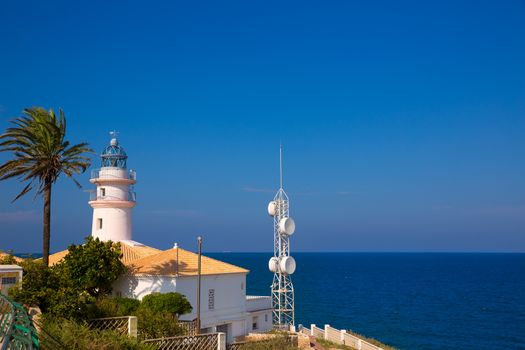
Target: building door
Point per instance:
(226, 328)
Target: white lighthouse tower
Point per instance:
(114, 197)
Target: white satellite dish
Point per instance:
(273, 264)
(287, 226)
(287, 265)
(272, 208)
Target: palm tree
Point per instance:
(40, 155)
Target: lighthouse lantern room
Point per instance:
(114, 197)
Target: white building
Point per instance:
(10, 276)
(224, 304)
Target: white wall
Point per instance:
(264, 321)
(229, 303)
(116, 224)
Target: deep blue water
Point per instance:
(408, 300)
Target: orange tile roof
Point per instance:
(148, 261)
(17, 259)
(134, 252)
(129, 253)
(182, 262)
(57, 257)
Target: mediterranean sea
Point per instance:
(407, 300)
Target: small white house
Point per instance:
(224, 304)
(10, 275)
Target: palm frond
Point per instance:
(40, 151)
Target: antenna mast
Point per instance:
(282, 264)
(281, 165)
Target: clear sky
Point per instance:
(403, 122)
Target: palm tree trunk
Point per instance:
(47, 223)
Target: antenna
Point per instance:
(281, 164)
(282, 264)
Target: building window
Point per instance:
(99, 224)
(8, 280)
(265, 317)
(103, 192)
(254, 323)
(211, 299)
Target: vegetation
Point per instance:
(173, 303)
(78, 288)
(40, 155)
(329, 344)
(157, 314)
(7, 258)
(277, 343)
(66, 334)
(67, 289)
(92, 267)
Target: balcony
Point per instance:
(113, 173)
(94, 196)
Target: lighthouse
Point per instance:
(114, 197)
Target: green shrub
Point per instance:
(113, 307)
(174, 303)
(38, 285)
(153, 324)
(66, 334)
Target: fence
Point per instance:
(125, 325)
(188, 327)
(339, 337)
(16, 327)
(213, 341)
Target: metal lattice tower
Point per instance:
(282, 264)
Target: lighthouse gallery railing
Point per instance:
(113, 172)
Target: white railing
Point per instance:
(213, 341)
(94, 196)
(117, 173)
(256, 303)
(124, 325)
(339, 337)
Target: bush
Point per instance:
(67, 334)
(113, 307)
(157, 313)
(174, 303)
(153, 324)
(38, 284)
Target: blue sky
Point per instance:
(402, 122)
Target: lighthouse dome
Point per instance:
(114, 155)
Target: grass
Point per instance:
(329, 344)
(271, 344)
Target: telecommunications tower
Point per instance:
(282, 264)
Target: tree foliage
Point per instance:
(40, 155)
(68, 288)
(173, 303)
(92, 267)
